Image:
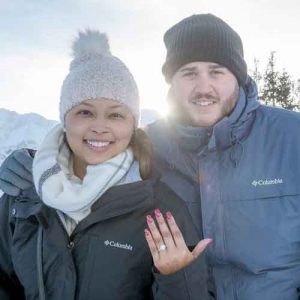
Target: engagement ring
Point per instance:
(162, 247)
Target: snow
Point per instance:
(21, 131)
(28, 130)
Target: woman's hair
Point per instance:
(142, 151)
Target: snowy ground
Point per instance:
(21, 131)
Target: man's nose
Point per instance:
(203, 84)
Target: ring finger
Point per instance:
(157, 238)
(164, 230)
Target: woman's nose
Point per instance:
(99, 126)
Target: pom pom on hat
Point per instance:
(96, 74)
(91, 42)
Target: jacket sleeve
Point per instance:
(190, 283)
(10, 287)
(15, 172)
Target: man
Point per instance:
(234, 161)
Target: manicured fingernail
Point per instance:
(157, 212)
(147, 233)
(149, 219)
(169, 215)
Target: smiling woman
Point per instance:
(97, 130)
(93, 199)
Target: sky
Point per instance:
(36, 38)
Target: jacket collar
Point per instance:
(222, 135)
(170, 140)
(116, 201)
(28, 204)
(227, 131)
(120, 200)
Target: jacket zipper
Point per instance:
(71, 242)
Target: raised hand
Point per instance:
(168, 248)
(16, 172)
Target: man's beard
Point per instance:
(231, 101)
(178, 112)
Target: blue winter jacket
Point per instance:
(240, 182)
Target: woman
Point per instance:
(78, 234)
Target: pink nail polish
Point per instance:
(157, 213)
(169, 215)
(149, 219)
(147, 233)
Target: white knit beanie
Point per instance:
(95, 73)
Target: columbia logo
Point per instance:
(118, 245)
(262, 182)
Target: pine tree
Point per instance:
(296, 91)
(257, 77)
(285, 92)
(278, 87)
(270, 79)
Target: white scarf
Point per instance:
(60, 189)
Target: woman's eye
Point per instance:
(117, 116)
(84, 113)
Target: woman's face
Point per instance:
(97, 130)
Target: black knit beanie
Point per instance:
(207, 38)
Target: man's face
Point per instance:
(202, 93)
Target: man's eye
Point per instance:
(189, 74)
(217, 72)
